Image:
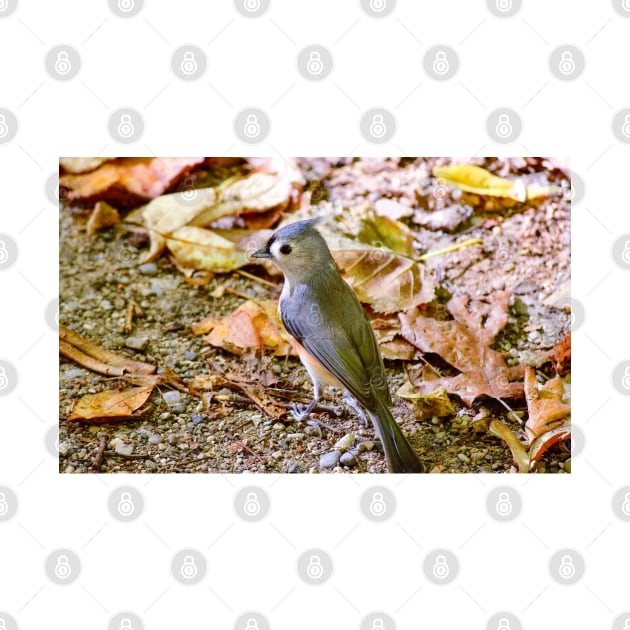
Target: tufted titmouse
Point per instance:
(332, 334)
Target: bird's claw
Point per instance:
(300, 413)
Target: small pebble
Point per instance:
(190, 355)
(368, 445)
(329, 460)
(172, 397)
(179, 407)
(196, 418)
(149, 465)
(74, 373)
(463, 458)
(294, 468)
(106, 305)
(120, 447)
(348, 459)
(155, 438)
(278, 426)
(346, 442)
(137, 343)
(148, 269)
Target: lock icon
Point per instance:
(626, 623)
(625, 254)
(252, 5)
(189, 63)
(503, 624)
(252, 127)
(4, 506)
(567, 568)
(504, 127)
(504, 5)
(377, 504)
(378, 5)
(3, 625)
(377, 624)
(625, 506)
(440, 63)
(377, 127)
(252, 504)
(567, 65)
(4, 254)
(626, 7)
(62, 568)
(504, 505)
(252, 624)
(314, 64)
(4, 128)
(62, 65)
(125, 126)
(125, 624)
(625, 129)
(125, 505)
(4, 381)
(189, 568)
(440, 568)
(625, 381)
(125, 5)
(314, 570)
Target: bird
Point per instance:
(332, 334)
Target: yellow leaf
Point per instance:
(474, 179)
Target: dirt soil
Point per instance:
(525, 248)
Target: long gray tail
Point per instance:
(401, 458)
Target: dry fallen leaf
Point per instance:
(111, 405)
(249, 327)
(257, 192)
(386, 281)
(81, 164)
(545, 406)
(518, 450)
(436, 403)
(464, 343)
(126, 181)
(94, 357)
(103, 216)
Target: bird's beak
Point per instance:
(263, 252)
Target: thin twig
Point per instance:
(98, 459)
(251, 276)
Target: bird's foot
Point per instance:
(301, 413)
(351, 402)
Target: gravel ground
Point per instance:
(176, 433)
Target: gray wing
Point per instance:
(336, 331)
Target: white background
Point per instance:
(251, 62)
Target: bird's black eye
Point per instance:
(285, 249)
